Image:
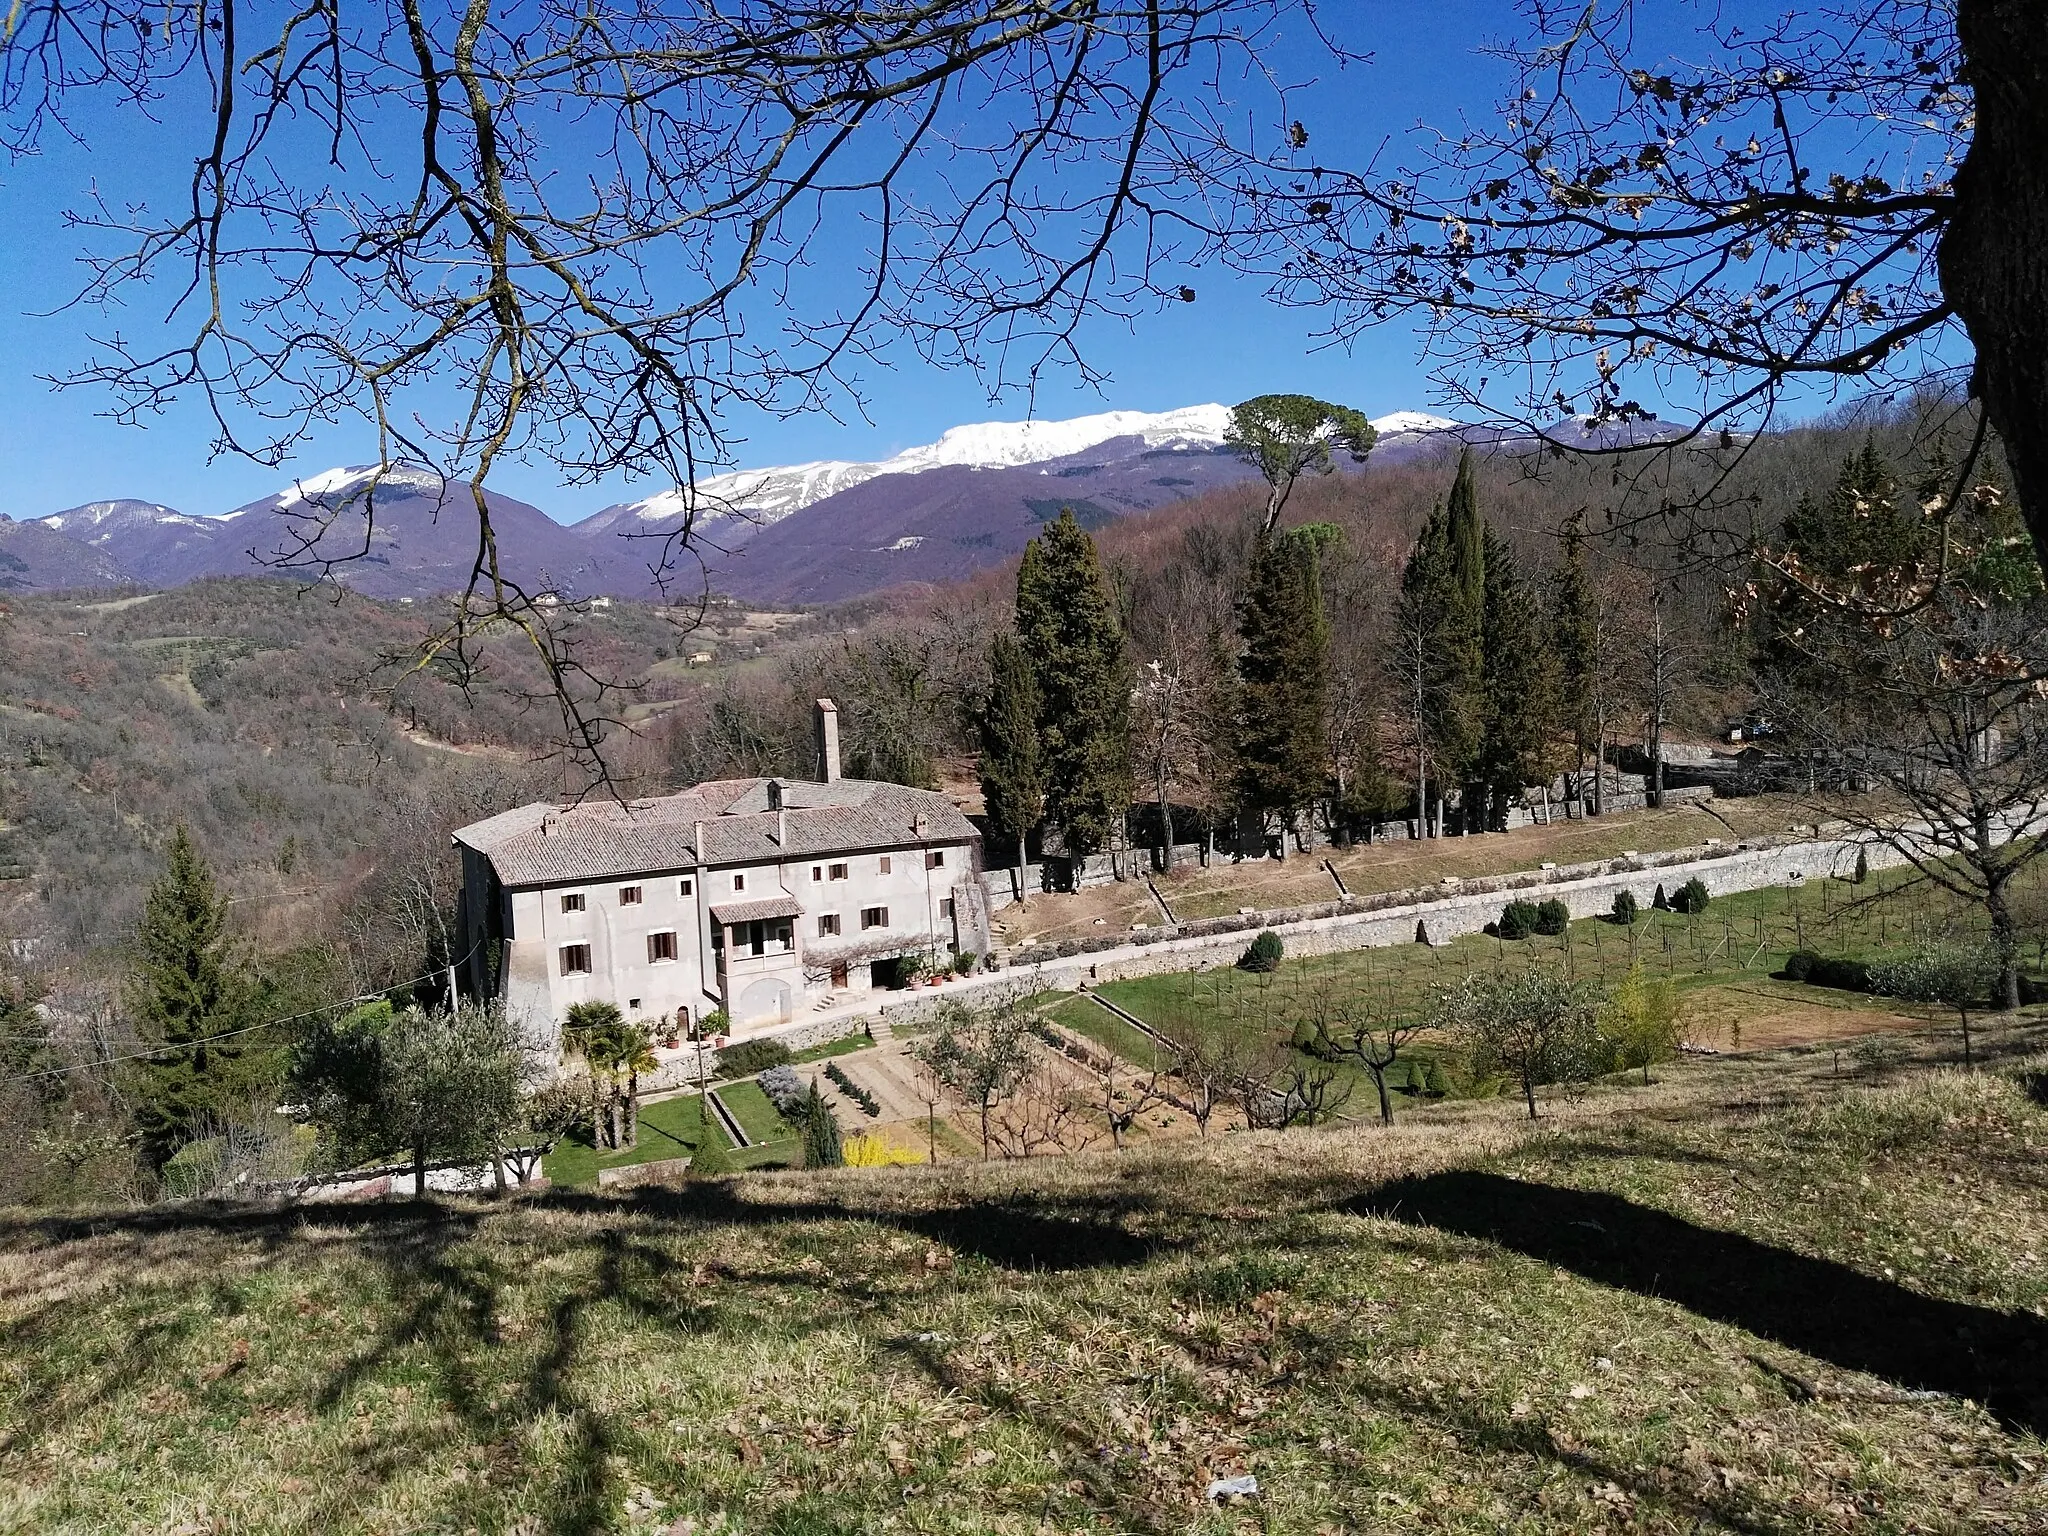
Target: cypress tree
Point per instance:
(1575, 624)
(1012, 774)
(1284, 678)
(822, 1148)
(1069, 627)
(1439, 658)
(1519, 685)
(187, 988)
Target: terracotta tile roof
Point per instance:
(544, 844)
(754, 911)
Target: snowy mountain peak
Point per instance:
(767, 495)
(395, 479)
(1405, 423)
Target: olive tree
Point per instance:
(1961, 976)
(1536, 1026)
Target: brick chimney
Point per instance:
(828, 741)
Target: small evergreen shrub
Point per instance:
(1552, 918)
(1660, 902)
(1692, 897)
(1433, 1079)
(1421, 931)
(1625, 908)
(1264, 953)
(1862, 867)
(751, 1056)
(1818, 970)
(709, 1159)
(1518, 919)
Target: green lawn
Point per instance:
(757, 1117)
(845, 1045)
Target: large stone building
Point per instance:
(757, 896)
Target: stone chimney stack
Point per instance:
(828, 741)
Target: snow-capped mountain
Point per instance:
(146, 539)
(760, 497)
(811, 532)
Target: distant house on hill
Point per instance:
(757, 896)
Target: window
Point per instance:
(946, 906)
(885, 863)
(828, 925)
(685, 887)
(817, 873)
(629, 895)
(874, 917)
(575, 959)
(572, 901)
(660, 947)
(838, 871)
(739, 882)
(633, 1003)
(936, 859)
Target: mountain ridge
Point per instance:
(819, 531)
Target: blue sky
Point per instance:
(57, 449)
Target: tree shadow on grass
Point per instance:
(1823, 1309)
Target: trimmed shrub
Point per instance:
(1421, 931)
(1862, 867)
(1692, 897)
(1433, 1079)
(852, 1090)
(1263, 953)
(1818, 970)
(785, 1091)
(1518, 919)
(1552, 918)
(751, 1056)
(1660, 902)
(1625, 908)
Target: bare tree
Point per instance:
(385, 215)
(1126, 1093)
(1045, 1112)
(1679, 219)
(1358, 1031)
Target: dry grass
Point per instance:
(1751, 1298)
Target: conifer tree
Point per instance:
(1012, 772)
(822, 1146)
(1575, 626)
(1285, 437)
(1284, 678)
(1438, 661)
(1519, 686)
(1069, 627)
(188, 989)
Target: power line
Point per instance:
(247, 1029)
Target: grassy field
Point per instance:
(1722, 960)
(1753, 1298)
(669, 1128)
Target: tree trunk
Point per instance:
(1379, 1081)
(419, 1169)
(1993, 257)
(1023, 864)
(1165, 827)
(1969, 1060)
(498, 1167)
(2005, 939)
(633, 1110)
(1529, 1092)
